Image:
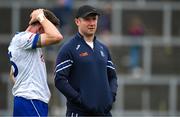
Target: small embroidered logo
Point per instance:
(102, 53)
(83, 54)
(77, 47)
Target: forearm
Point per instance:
(49, 34)
(113, 84)
(51, 30)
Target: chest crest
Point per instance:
(82, 54)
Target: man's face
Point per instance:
(87, 25)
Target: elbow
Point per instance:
(58, 83)
(58, 38)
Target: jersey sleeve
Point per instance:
(29, 40)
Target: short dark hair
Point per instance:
(86, 10)
(50, 16)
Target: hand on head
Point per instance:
(34, 15)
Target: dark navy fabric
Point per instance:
(86, 76)
(25, 107)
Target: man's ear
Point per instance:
(76, 20)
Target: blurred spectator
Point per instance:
(105, 19)
(63, 11)
(136, 30)
(105, 23)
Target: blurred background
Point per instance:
(142, 35)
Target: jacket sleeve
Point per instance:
(112, 76)
(63, 67)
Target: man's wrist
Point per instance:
(41, 17)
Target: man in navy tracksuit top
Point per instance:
(84, 71)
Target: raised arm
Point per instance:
(51, 34)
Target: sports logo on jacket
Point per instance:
(102, 53)
(83, 54)
(77, 47)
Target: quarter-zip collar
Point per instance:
(81, 39)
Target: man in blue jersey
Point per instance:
(84, 71)
(28, 70)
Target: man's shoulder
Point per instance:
(23, 34)
(16, 37)
(101, 44)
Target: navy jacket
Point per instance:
(86, 76)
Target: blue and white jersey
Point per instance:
(28, 67)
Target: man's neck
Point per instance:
(31, 29)
(88, 38)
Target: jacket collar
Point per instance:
(80, 37)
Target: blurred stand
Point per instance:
(104, 26)
(64, 12)
(136, 31)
